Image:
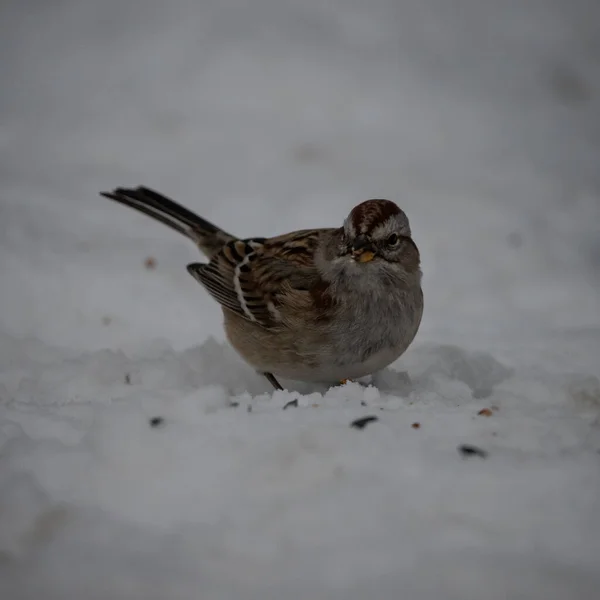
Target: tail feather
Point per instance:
(208, 237)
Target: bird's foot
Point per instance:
(273, 381)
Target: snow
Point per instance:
(140, 458)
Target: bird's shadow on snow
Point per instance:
(477, 373)
(447, 371)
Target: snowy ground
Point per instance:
(481, 119)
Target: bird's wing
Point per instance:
(256, 276)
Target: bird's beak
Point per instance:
(362, 250)
(363, 255)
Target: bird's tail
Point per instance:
(208, 237)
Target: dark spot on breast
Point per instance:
(321, 297)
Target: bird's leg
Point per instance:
(271, 379)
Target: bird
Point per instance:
(322, 305)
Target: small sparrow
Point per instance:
(318, 305)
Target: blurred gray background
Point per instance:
(480, 117)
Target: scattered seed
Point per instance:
(485, 412)
(363, 421)
(416, 425)
(156, 421)
(291, 403)
(468, 450)
(150, 263)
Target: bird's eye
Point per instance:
(392, 239)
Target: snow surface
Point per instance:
(481, 118)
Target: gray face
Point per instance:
(386, 239)
(372, 251)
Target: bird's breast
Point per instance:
(376, 330)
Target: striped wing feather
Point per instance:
(250, 277)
